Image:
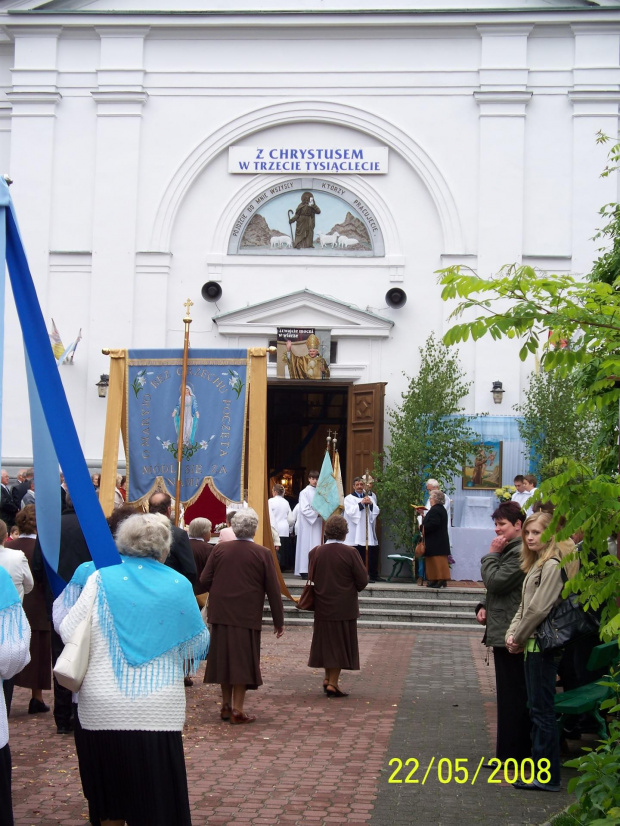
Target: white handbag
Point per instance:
(71, 665)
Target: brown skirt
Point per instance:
(38, 673)
(334, 645)
(234, 657)
(437, 568)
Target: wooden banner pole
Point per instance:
(177, 494)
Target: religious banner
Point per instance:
(212, 433)
(303, 353)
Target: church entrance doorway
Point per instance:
(300, 416)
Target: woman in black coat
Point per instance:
(436, 541)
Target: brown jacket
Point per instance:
(338, 574)
(237, 576)
(34, 602)
(202, 551)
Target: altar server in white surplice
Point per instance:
(356, 505)
(309, 525)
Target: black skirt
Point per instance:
(334, 645)
(6, 807)
(136, 776)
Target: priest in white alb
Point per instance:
(309, 526)
(361, 512)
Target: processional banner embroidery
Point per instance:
(213, 426)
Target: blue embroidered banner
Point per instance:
(213, 426)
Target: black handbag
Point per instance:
(565, 623)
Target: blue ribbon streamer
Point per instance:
(47, 482)
(4, 201)
(54, 409)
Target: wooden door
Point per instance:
(365, 429)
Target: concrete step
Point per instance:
(391, 614)
(399, 606)
(305, 620)
(403, 604)
(406, 592)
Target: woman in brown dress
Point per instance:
(37, 675)
(237, 576)
(338, 574)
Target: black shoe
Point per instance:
(304, 576)
(37, 707)
(64, 729)
(378, 579)
(372, 581)
(535, 787)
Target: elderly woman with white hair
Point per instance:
(145, 627)
(199, 531)
(436, 541)
(237, 576)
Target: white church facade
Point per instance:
(156, 148)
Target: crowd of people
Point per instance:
(296, 531)
(524, 576)
(148, 632)
(149, 620)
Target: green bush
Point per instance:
(598, 783)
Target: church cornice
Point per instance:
(300, 18)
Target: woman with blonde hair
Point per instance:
(542, 586)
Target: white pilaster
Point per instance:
(595, 109)
(119, 101)
(33, 99)
(502, 101)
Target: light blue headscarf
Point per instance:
(11, 612)
(149, 616)
(76, 584)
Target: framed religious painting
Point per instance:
(483, 466)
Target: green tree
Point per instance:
(427, 439)
(546, 312)
(550, 425)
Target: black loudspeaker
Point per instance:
(395, 298)
(211, 291)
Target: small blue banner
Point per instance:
(212, 429)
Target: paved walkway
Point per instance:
(309, 760)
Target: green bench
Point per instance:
(587, 698)
(398, 560)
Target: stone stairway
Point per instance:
(399, 606)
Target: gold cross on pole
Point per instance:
(189, 303)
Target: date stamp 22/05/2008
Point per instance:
(457, 771)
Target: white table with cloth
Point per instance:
(469, 545)
(477, 511)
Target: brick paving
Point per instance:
(309, 761)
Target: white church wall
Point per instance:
(118, 147)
